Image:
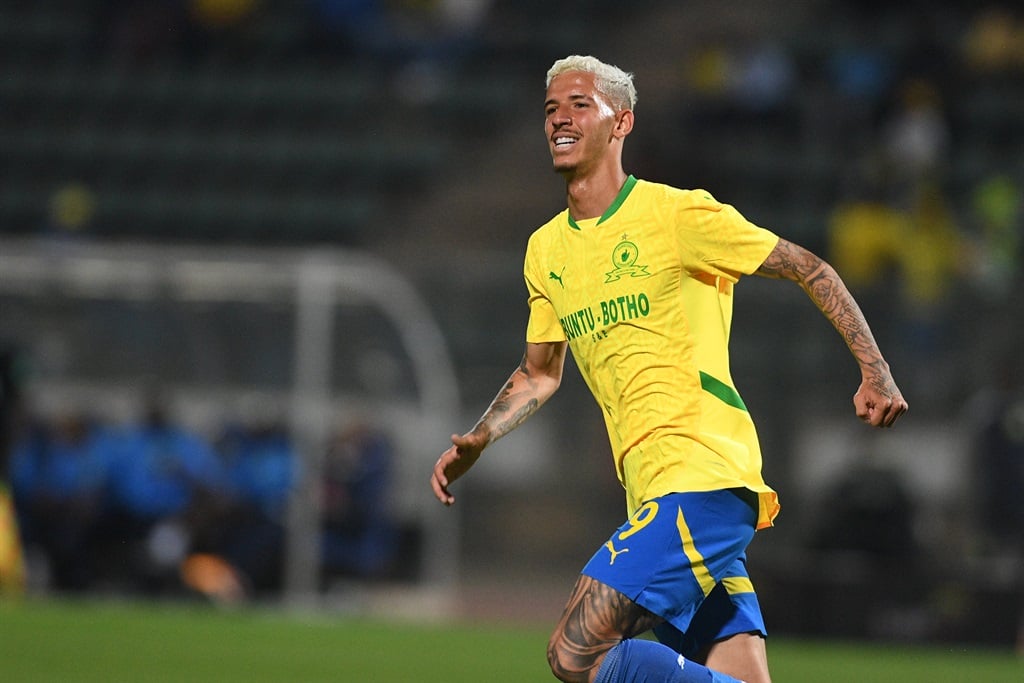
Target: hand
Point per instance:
(455, 462)
(879, 403)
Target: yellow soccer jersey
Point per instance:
(643, 295)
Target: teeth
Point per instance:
(564, 141)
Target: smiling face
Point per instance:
(582, 127)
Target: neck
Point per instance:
(589, 196)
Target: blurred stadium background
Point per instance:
(295, 229)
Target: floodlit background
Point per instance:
(259, 259)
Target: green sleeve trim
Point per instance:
(721, 391)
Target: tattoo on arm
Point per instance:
(826, 289)
(596, 618)
(509, 409)
(514, 417)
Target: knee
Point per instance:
(569, 665)
(558, 661)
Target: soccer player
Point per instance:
(637, 279)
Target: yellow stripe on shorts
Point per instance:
(700, 571)
(735, 585)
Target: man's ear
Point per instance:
(623, 123)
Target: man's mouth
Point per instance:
(563, 142)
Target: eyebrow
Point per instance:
(573, 97)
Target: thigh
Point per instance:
(731, 608)
(596, 618)
(674, 550)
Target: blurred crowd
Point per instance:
(887, 142)
(156, 508)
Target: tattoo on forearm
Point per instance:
(824, 286)
(502, 402)
(515, 419)
(503, 415)
(596, 618)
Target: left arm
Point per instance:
(878, 401)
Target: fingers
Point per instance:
(440, 479)
(441, 490)
(896, 408)
(888, 411)
(439, 482)
(454, 463)
(879, 412)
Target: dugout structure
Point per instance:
(319, 337)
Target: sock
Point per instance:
(644, 661)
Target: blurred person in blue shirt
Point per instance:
(359, 536)
(163, 477)
(261, 466)
(60, 472)
(261, 469)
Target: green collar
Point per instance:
(627, 187)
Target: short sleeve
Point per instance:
(721, 240)
(543, 325)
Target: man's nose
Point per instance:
(561, 118)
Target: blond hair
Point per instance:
(611, 81)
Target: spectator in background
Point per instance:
(60, 474)
(993, 43)
(901, 236)
(915, 140)
(754, 84)
(866, 236)
(261, 469)
(71, 211)
(909, 246)
(261, 466)
(999, 221)
(12, 567)
(359, 535)
(164, 478)
(934, 259)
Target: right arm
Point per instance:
(533, 382)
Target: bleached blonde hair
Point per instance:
(611, 81)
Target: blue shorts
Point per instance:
(683, 557)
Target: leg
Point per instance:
(657, 557)
(594, 643)
(595, 620)
(727, 633)
(742, 656)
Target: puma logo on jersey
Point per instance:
(557, 278)
(615, 553)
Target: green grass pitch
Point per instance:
(114, 642)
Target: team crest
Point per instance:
(624, 259)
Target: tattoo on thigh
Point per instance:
(596, 618)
